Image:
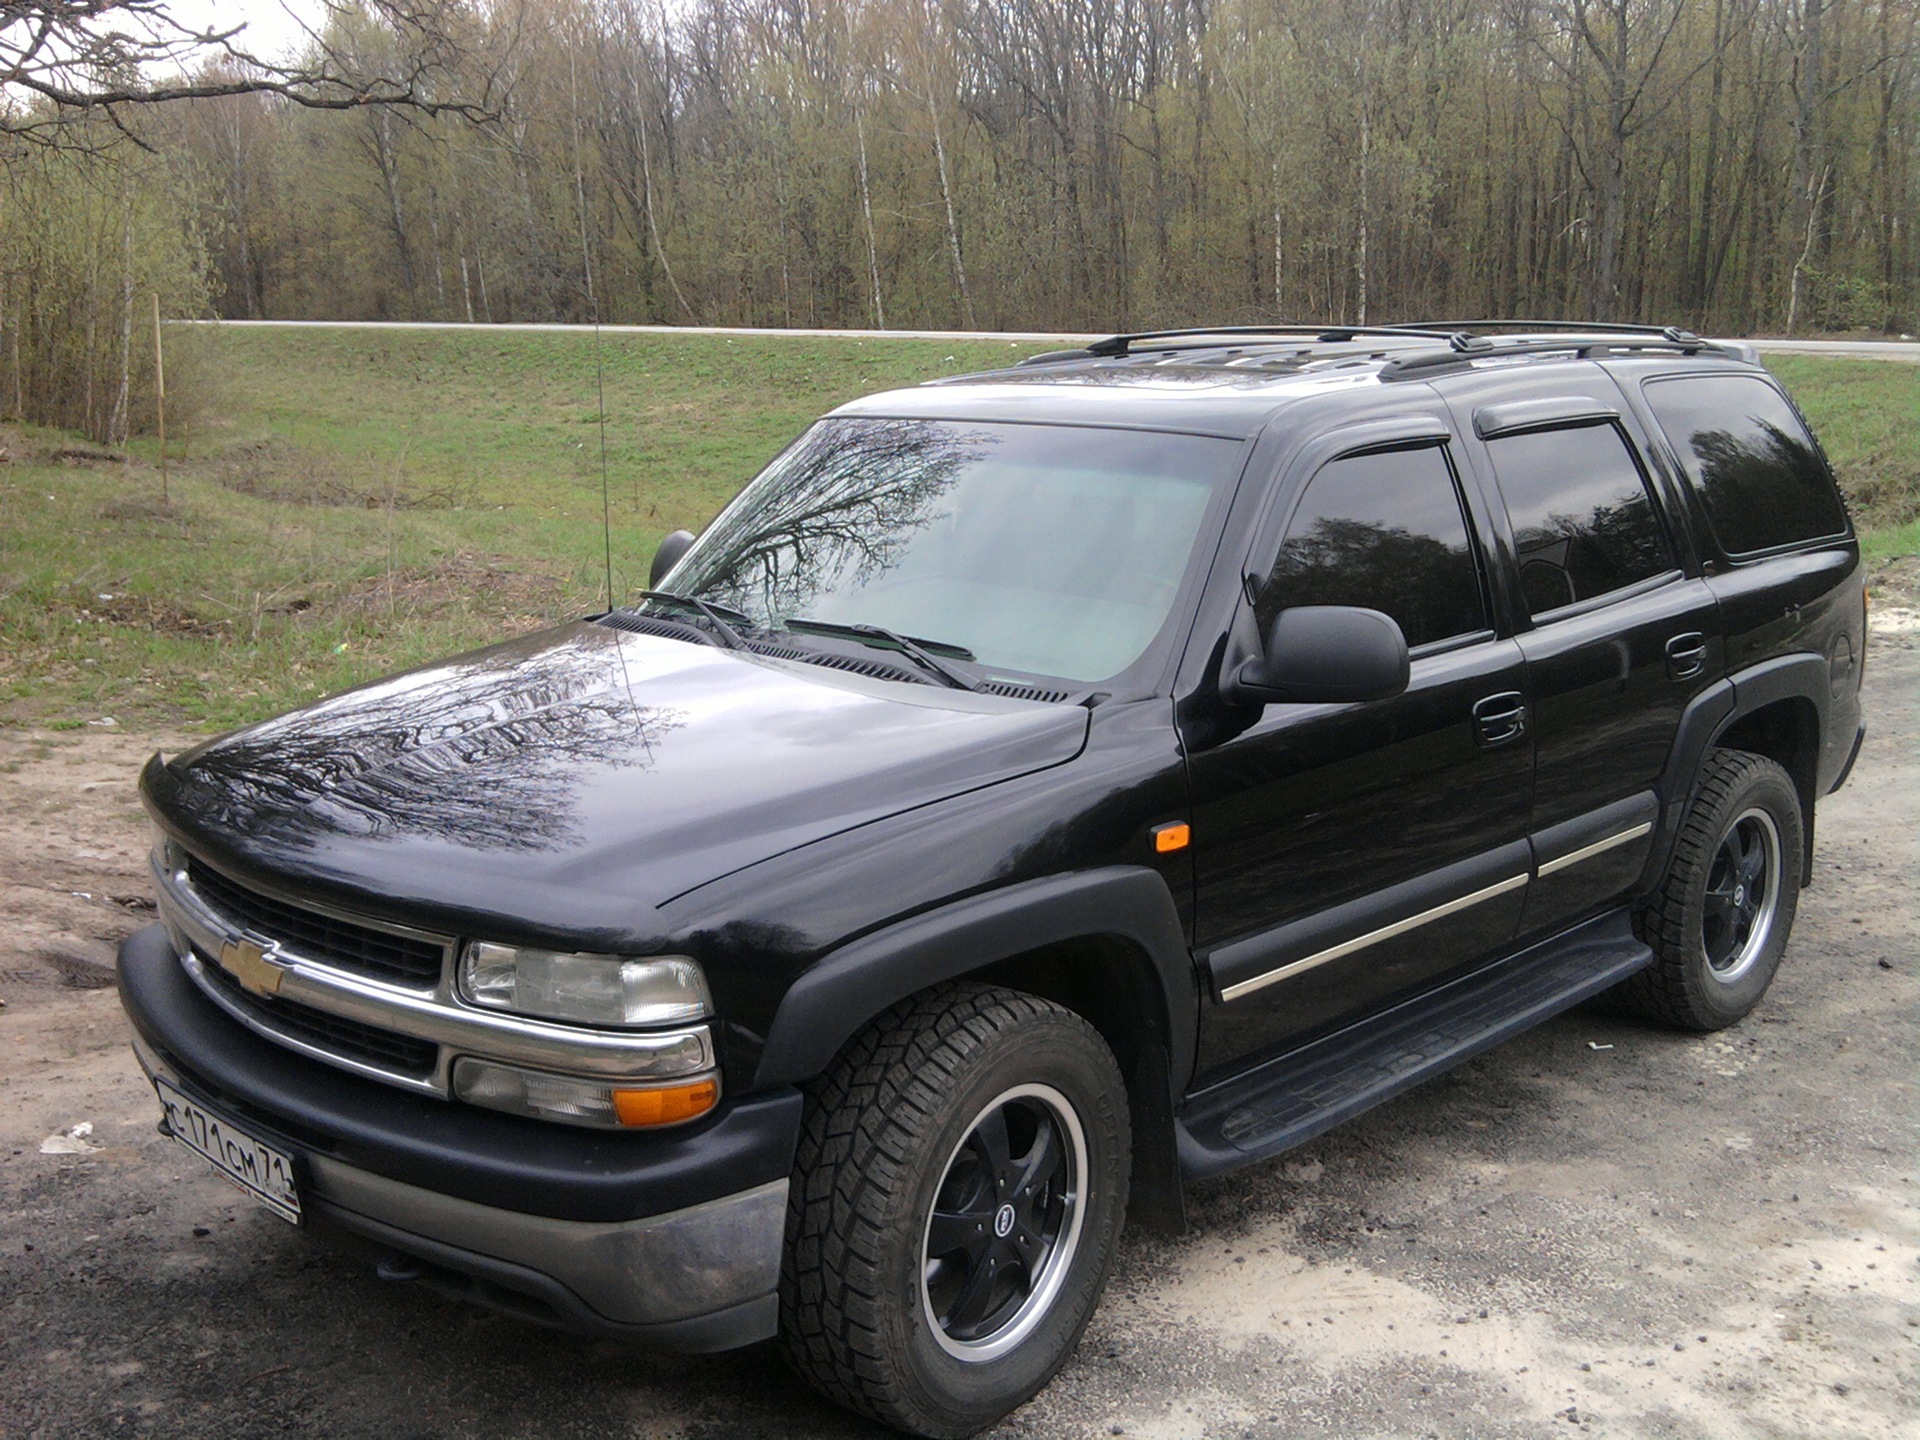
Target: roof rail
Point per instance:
(1463, 349)
(1605, 327)
(1114, 346)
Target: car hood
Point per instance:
(578, 778)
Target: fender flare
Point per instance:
(830, 1002)
(1707, 717)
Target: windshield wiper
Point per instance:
(712, 614)
(912, 649)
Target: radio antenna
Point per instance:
(606, 493)
(593, 309)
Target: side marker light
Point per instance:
(1169, 838)
(665, 1105)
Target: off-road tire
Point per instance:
(883, 1128)
(1681, 988)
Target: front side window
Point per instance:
(1749, 459)
(1045, 549)
(1584, 523)
(1382, 530)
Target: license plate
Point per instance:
(262, 1172)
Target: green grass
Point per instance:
(1892, 542)
(1867, 414)
(349, 502)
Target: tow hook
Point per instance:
(399, 1268)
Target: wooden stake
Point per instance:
(160, 396)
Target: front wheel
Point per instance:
(1719, 923)
(959, 1191)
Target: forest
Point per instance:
(1739, 166)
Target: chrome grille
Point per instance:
(396, 1054)
(343, 944)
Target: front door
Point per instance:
(1348, 853)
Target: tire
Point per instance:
(1719, 923)
(958, 1194)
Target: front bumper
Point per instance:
(673, 1238)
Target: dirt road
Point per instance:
(1599, 1229)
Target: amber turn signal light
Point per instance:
(665, 1104)
(1168, 838)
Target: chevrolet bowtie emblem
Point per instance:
(248, 964)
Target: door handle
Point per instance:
(1687, 655)
(1500, 718)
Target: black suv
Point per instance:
(1034, 791)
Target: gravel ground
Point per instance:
(1599, 1228)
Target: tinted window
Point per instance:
(1583, 522)
(1384, 531)
(1750, 460)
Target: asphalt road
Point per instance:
(1600, 1228)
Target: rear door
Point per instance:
(1345, 854)
(1618, 628)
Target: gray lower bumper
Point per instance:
(699, 1279)
(704, 1278)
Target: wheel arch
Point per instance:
(1107, 944)
(1776, 709)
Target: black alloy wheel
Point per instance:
(1005, 1223)
(1719, 922)
(1742, 896)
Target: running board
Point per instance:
(1290, 1100)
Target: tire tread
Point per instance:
(862, 1120)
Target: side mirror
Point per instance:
(1323, 655)
(668, 556)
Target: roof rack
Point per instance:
(1608, 327)
(1462, 338)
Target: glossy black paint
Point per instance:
(1315, 807)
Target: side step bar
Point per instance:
(1289, 1100)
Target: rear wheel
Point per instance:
(958, 1193)
(1719, 923)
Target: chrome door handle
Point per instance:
(1500, 718)
(1687, 655)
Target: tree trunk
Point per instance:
(866, 211)
(953, 227)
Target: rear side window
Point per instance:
(1750, 461)
(1584, 523)
(1383, 530)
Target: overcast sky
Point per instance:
(273, 26)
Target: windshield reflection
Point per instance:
(1049, 550)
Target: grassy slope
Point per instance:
(1867, 413)
(364, 500)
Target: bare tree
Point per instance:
(68, 60)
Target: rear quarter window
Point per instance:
(1750, 460)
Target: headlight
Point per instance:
(588, 989)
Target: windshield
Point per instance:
(1039, 548)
